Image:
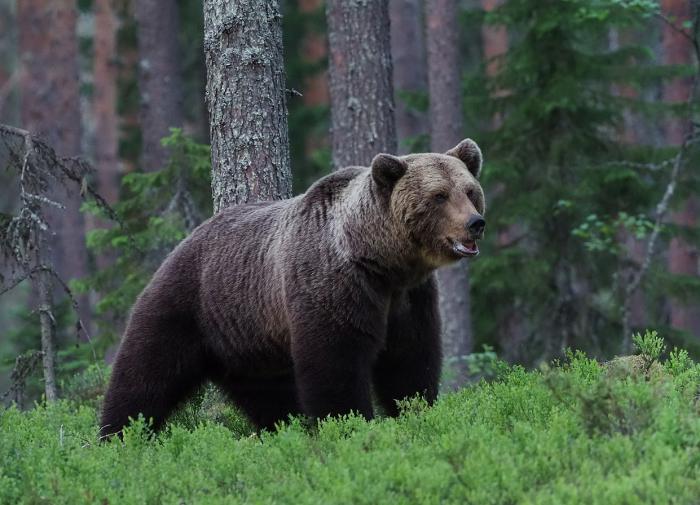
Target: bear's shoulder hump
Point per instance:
(326, 189)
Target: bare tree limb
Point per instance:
(678, 162)
(25, 234)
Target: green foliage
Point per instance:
(87, 386)
(602, 235)
(650, 345)
(475, 366)
(73, 352)
(565, 191)
(576, 432)
(678, 361)
(157, 210)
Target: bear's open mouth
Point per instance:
(465, 248)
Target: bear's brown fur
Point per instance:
(300, 306)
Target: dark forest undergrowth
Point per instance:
(575, 431)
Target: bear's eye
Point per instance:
(440, 197)
(471, 194)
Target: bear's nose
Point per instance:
(476, 225)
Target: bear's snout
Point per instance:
(475, 226)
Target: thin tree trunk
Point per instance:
(410, 73)
(315, 91)
(127, 74)
(51, 110)
(682, 256)
(446, 125)
(632, 132)
(160, 79)
(105, 101)
(362, 96)
(44, 286)
(246, 101)
(512, 334)
(9, 72)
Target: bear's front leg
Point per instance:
(332, 365)
(411, 362)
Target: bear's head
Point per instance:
(436, 200)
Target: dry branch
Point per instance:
(691, 137)
(24, 236)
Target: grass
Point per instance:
(574, 432)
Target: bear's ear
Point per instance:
(470, 154)
(387, 169)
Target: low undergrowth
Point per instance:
(573, 432)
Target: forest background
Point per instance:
(584, 110)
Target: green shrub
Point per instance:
(573, 432)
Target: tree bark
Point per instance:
(104, 104)
(315, 92)
(160, 79)
(446, 124)
(682, 256)
(51, 110)
(246, 101)
(44, 286)
(362, 96)
(410, 73)
(512, 335)
(42, 282)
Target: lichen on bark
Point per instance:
(246, 101)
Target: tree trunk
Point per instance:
(362, 96)
(246, 101)
(9, 71)
(315, 91)
(42, 282)
(410, 74)
(512, 334)
(446, 122)
(160, 80)
(51, 110)
(44, 286)
(104, 104)
(682, 256)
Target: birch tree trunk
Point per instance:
(446, 124)
(410, 74)
(160, 80)
(246, 101)
(362, 95)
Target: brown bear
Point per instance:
(301, 306)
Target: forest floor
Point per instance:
(572, 432)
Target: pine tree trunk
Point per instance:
(160, 79)
(446, 125)
(104, 105)
(410, 73)
(362, 96)
(246, 101)
(51, 110)
(682, 256)
(9, 71)
(315, 92)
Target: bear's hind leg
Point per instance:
(160, 363)
(266, 401)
